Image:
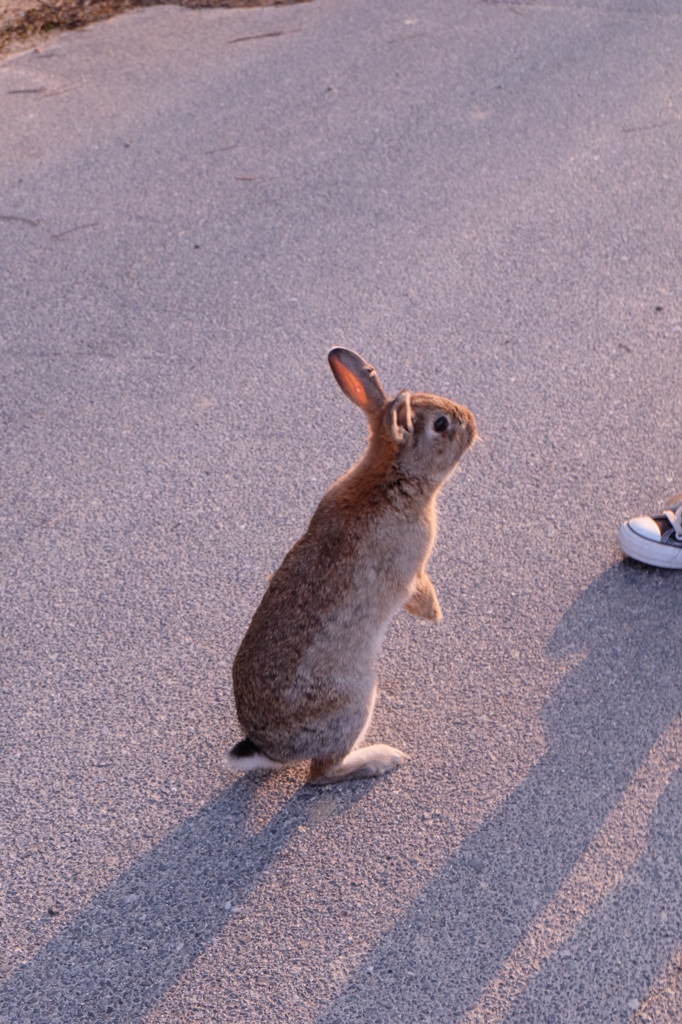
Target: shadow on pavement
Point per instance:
(541, 914)
(118, 957)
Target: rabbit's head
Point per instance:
(422, 435)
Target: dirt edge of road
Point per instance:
(25, 22)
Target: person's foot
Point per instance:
(655, 540)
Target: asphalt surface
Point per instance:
(485, 200)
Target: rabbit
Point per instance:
(304, 675)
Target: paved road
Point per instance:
(485, 200)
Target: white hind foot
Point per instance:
(365, 763)
(250, 764)
(245, 756)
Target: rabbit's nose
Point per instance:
(469, 425)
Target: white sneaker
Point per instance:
(655, 540)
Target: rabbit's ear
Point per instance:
(401, 417)
(357, 379)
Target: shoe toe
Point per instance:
(644, 526)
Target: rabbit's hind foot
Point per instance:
(245, 756)
(364, 763)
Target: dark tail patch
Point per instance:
(245, 748)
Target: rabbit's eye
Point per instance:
(441, 424)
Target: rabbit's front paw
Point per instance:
(423, 601)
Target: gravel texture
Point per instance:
(483, 199)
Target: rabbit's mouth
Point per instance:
(471, 431)
(468, 422)
(463, 431)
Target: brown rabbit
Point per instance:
(304, 675)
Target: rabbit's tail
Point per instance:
(245, 756)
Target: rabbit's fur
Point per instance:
(304, 675)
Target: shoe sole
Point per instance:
(650, 552)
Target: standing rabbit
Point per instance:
(304, 675)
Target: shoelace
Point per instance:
(674, 517)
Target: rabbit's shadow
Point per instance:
(622, 641)
(115, 960)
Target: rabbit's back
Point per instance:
(306, 665)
